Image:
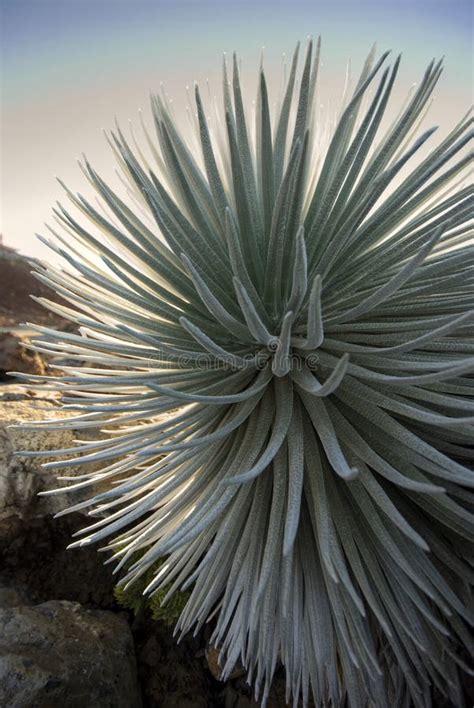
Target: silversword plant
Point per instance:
(275, 337)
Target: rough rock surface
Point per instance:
(60, 654)
(15, 357)
(21, 477)
(17, 286)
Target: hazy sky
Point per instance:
(70, 66)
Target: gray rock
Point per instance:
(22, 477)
(59, 654)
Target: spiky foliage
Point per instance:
(297, 303)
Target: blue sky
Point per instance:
(64, 40)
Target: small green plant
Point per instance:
(134, 598)
(276, 335)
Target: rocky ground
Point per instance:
(17, 284)
(64, 641)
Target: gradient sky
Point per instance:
(70, 66)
